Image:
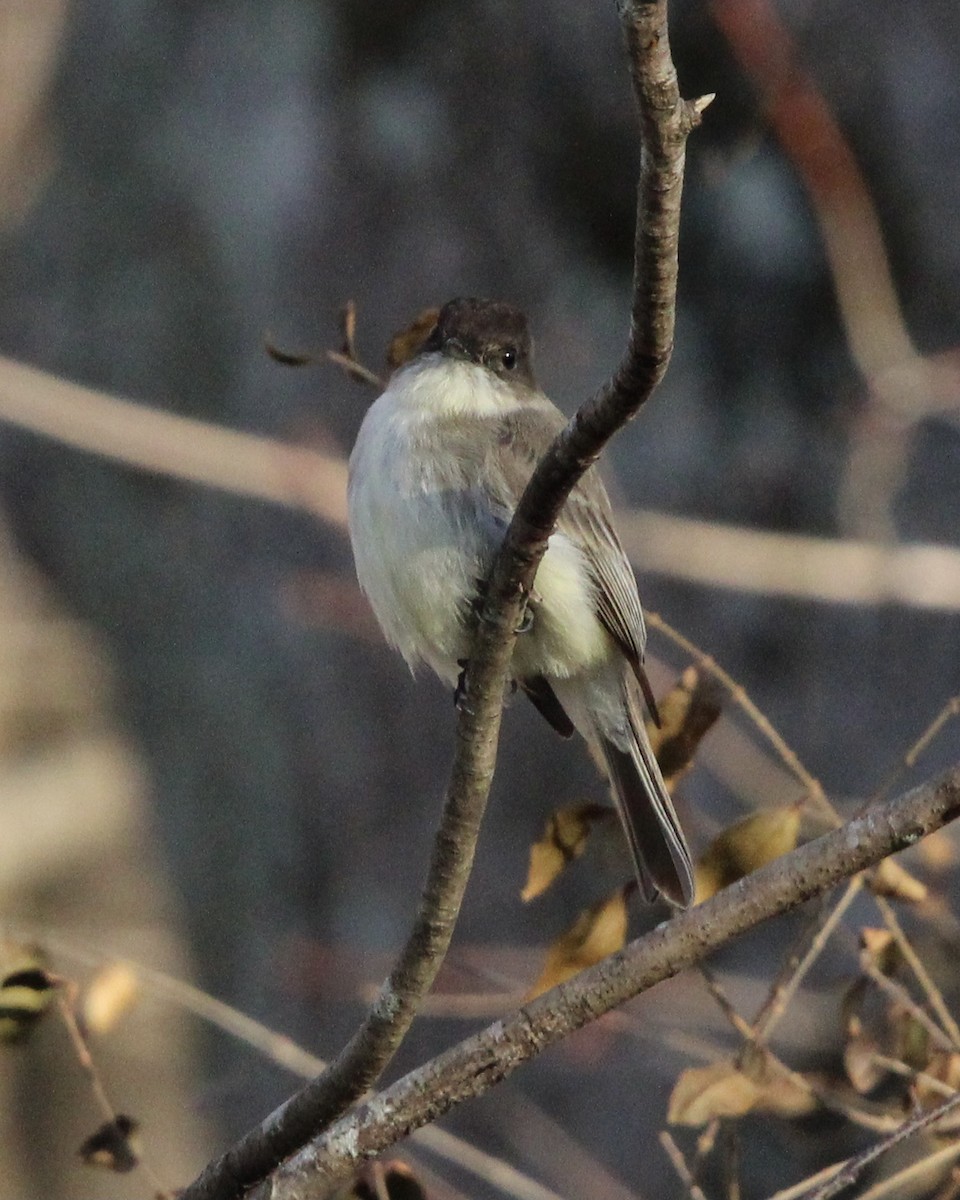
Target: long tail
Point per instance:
(650, 823)
(605, 707)
(656, 841)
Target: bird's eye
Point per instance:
(509, 358)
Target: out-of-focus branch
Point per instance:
(479, 1062)
(666, 120)
(181, 447)
(819, 569)
(781, 564)
(903, 387)
(851, 1170)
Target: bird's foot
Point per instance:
(460, 691)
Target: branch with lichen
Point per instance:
(480, 1062)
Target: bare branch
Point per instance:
(665, 121)
(851, 1170)
(481, 1061)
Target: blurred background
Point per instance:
(208, 759)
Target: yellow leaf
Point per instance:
(687, 712)
(783, 1096)
(564, 839)
(597, 932)
(746, 846)
(859, 1060)
(704, 1093)
(112, 992)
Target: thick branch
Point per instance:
(481, 1061)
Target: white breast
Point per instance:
(421, 547)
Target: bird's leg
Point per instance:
(460, 691)
(530, 601)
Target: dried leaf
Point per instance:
(888, 878)
(111, 994)
(597, 932)
(25, 990)
(112, 1146)
(943, 1066)
(880, 949)
(911, 1039)
(687, 712)
(859, 1059)
(564, 839)
(703, 1093)
(287, 358)
(407, 343)
(746, 846)
(784, 1096)
(939, 850)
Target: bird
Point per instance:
(438, 467)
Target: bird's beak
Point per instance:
(456, 349)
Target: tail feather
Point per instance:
(605, 707)
(650, 823)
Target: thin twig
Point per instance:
(912, 959)
(855, 1113)
(478, 1063)
(679, 1163)
(741, 698)
(807, 949)
(851, 1171)
(66, 1003)
(902, 1183)
(899, 994)
(281, 1050)
(896, 1067)
(909, 760)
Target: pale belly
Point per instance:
(422, 552)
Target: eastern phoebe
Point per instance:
(439, 465)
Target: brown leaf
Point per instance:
(406, 344)
(598, 931)
(564, 839)
(858, 1058)
(783, 1096)
(746, 846)
(888, 878)
(111, 994)
(703, 1093)
(911, 1039)
(25, 989)
(880, 949)
(943, 1066)
(112, 1146)
(687, 712)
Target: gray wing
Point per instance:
(586, 519)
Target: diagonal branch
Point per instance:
(480, 1062)
(665, 121)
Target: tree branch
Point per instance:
(483, 1060)
(665, 121)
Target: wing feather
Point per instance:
(587, 520)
